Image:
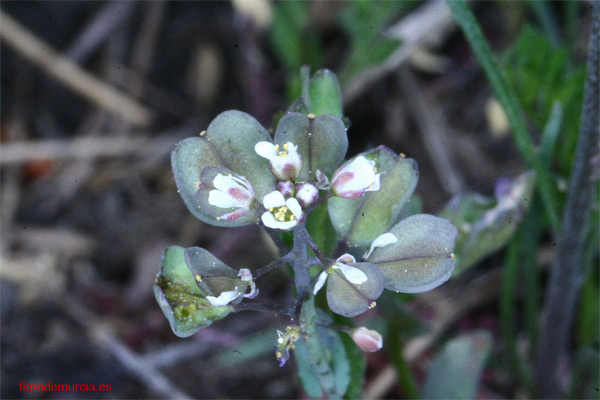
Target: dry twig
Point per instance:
(431, 125)
(81, 148)
(41, 54)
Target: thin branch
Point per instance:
(69, 73)
(272, 265)
(106, 21)
(81, 148)
(568, 272)
(302, 234)
(431, 125)
(335, 327)
(271, 308)
(151, 377)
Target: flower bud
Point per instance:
(366, 339)
(287, 189)
(307, 194)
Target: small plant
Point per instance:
(235, 174)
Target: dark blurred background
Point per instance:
(94, 96)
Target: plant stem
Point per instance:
(308, 315)
(510, 104)
(568, 272)
(275, 264)
(335, 327)
(300, 262)
(305, 237)
(285, 310)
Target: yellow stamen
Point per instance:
(372, 305)
(311, 116)
(198, 278)
(452, 255)
(285, 146)
(276, 147)
(202, 133)
(402, 155)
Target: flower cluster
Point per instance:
(236, 173)
(296, 177)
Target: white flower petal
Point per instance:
(353, 179)
(224, 183)
(294, 207)
(353, 274)
(320, 282)
(286, 225)
(223, 200)
(224, 298)
(347, 259)
(273, 199)
(381, 241)
(245, 274)
(265, 149)
(268, 220)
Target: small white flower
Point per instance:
(355, 178)
(231, 192)
(307, 194)
(284, 161)
(381, 241)
(352, 274)
(281, 214)
(224, 298)
(246, 276)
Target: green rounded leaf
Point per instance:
(350, 299)
(212, 275)
(422, 257)
(228, 142)
(180, 299)
(361, 221)
(322, 142)
(325, 94)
